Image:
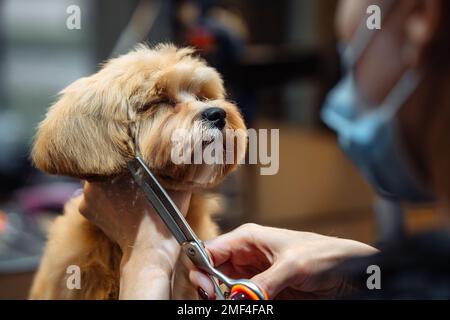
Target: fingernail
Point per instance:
(202, 293)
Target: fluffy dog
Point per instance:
(135, 102)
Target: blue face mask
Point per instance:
(369, 135)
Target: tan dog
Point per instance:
(135, 102)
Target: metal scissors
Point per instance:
(190, 244)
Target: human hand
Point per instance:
(120, 209)
(285, 263)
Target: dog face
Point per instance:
(135, 103)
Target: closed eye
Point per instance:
(165, 101)
(158, 102)
(203, 99)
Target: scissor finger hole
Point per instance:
(241, 292)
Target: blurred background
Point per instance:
(278, 60)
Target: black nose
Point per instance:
(216, 116)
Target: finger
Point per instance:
(274, 279)
(238, 272)
(222, 247)
(201, 280)
(226, 268)
(229, 270)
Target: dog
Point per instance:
(133, 103)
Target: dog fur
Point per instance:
(134, 103)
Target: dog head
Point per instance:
(136, 103)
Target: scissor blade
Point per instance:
(161, 202)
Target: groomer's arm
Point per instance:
(149, 251)
(146, 267)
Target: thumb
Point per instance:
(273, 280)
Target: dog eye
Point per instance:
(165, 101)
(158, 102)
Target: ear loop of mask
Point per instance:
(360, 42)
(355, 50)
(398, 95)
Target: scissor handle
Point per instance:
(243, 292)
(196, 252)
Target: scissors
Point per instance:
(190, 244)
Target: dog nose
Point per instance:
(215, 116)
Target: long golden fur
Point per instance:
(134, 103)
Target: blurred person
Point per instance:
(391, 113)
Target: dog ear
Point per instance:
(84, 133)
